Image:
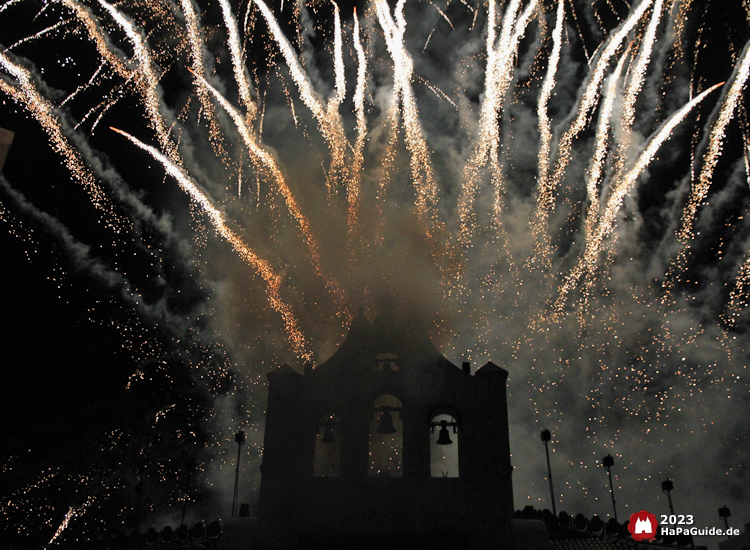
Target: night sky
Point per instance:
(136, 337)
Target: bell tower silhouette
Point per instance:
(347, 450)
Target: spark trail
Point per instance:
(422, 175)
(715, 144)
(500, 59)
(263, 268)
(327, 117)
(26, 94)
(545, 130)
(588, 101)
(265, 162)
(587, 263)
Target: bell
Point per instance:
(386, 424)
(328, 436)
(443, 437)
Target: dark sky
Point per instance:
(148, 293)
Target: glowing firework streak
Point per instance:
(541, 241)
(635, 84)
(262, 267)
(39, 34)
(44, 112)
(354, 174)
(699, 190)
(97, 37)
(498, 78)
(197, 65)
(73, 513)
(147, 83)
(338, 60)
(442, 14)
(588, 261)
(423, 177)
(715, 145)
(328, 118)
(596, 168)
(265, 162)
(359, 145)
(638, 73)
(486, 149)
(84, 86)
(588, 102)
(238, 62)
(737, 297)
(8, 4)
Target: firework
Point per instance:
(523, 188)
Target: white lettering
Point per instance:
(703, 532)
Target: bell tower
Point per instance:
(386, 441)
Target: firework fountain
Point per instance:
(559, 187)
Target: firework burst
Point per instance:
(576, 213)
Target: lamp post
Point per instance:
(187, 492)
(546, 436)
(666, 487)
(724, 513)
(239, 437)
(608, 462)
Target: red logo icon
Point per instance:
(643, 526)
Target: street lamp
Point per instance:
(608, 462)
(187, 492)
(724, 513)
(239, 437)
(666, 487)
(546, 436)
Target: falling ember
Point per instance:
(517, 174)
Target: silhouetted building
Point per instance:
(388, 444)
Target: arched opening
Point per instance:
(386, 437)
(328, 447)
(444, 445)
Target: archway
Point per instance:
(444, 445)
(328, 447)
(386, 437)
